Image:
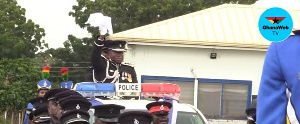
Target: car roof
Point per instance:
(141, 104)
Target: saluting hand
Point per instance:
(101, 37)
(100, 40)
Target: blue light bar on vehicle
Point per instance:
(107, 89)
(91, 89)
(146, 90)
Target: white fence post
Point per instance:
(12, 117)
(19, 117)
(195, 88)
(5, 114)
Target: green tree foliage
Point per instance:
(18, 37)
(212, 3)
(18, 79)
(3, 121)
(75, 55)
(127, 14)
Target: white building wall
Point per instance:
(178, 61)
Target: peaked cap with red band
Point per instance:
(160, 107)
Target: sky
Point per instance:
(52, 15)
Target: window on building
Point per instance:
(215, 98)
(254, 100)
(234, 99)
(209, 98)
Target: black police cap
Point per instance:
(75, 104)
(116, 45)
(65, 94)
(108, 112)
(43, 110)
(75, 116)
(50, 94)
(135, 117)
(159, 107)
(251, 111)
(71, 97)
(38, 101)
(41, 115)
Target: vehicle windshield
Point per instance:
(188, 118)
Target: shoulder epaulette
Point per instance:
(128, 64)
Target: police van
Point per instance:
(135, 96)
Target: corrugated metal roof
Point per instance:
(229, 25)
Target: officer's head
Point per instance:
(135, 117)
(59, 97)
(107, 113)
(42, 92)
(116, 50)
(43, 86)
(160, 111)
(74, 102)
(75, 117)
(160, 118)
(53, 107)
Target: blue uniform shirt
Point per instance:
(278, 95)
(29, 106)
